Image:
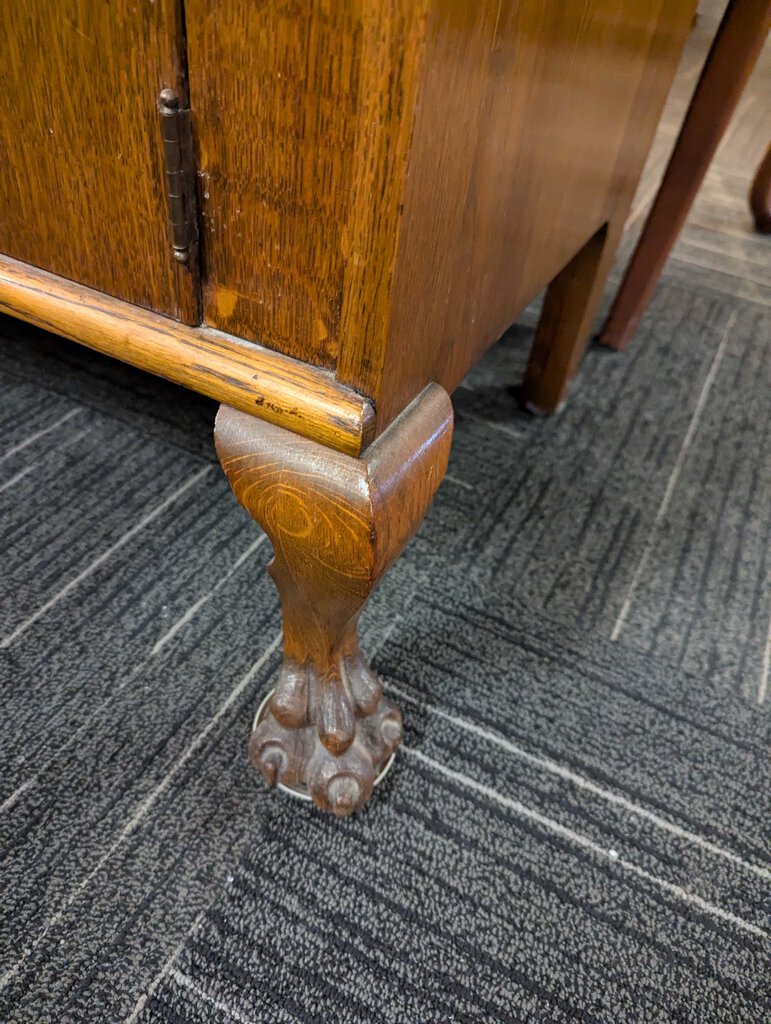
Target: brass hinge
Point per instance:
(180, 174)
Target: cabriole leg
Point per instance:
(336, 524)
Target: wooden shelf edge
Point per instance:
(246, 376)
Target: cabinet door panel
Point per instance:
(82, 189)
(273, 86)
(302, 114)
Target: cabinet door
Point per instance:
(274, 88)
(82, 181)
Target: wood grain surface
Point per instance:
(566, 317)
(573, 296)
(336, 524)
(384, 186)
(253, 379)
(82, 173)
(737, 45)
(414, 173)
(302, 119)
(533, 125)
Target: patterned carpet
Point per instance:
(577, 827)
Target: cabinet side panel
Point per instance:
(294, 115)
(82, 192)
(534, 121)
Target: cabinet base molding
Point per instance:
(337, 524)
(267, 384)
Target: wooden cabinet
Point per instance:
(376, 190)
(82, 191)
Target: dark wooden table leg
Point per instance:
(569, 307)
(336, 524)
(760, 195)
(731, 59)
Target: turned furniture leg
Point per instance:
(569, 307)
(760, 195)
(731, 58)
(336, 524)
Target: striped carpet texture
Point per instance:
(577, 827)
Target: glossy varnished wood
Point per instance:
(82, 191)
(735, 49)
(568, 309)
(534, 122)
(414, 172)
(336, 525)
(250, 378)
(383, 186)
(302, 118)
(760, 195)
(716, 237)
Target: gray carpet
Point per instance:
(577, 829)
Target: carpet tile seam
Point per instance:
(491, 623)
(591, 845)
(591, 912)
(580, 906)
(497, 965)
(553, 759)
(149, 801)
(584, 783)
(587, 910)
(102, 557)
(674, 476)
(616, 688)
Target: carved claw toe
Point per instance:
(382, 733)
(343, 795)
(289, 703)
(391, 726)
(363, 682)
(342, 784)
(276, 752)
(335, 716)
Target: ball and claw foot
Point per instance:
(330, 739)
(336, 523)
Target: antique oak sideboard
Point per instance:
(321, 214)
